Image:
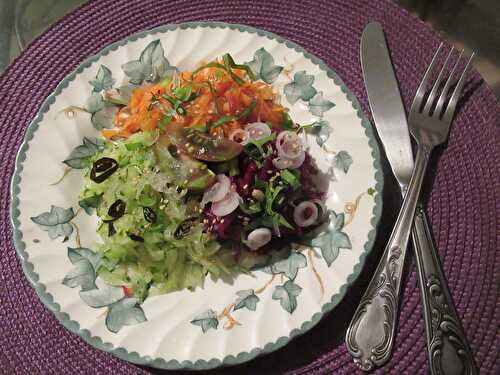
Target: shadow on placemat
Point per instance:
(330, 331)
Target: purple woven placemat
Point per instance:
(463, 205)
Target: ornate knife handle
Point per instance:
(449, 352)
(370, 335)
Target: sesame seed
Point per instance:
(245, 186)
(222, 221)
(269, 172)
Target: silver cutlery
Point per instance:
(371, 333)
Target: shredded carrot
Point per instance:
(214, 93)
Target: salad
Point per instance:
(204, 172)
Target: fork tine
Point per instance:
(450, 108)
(430, 99)
(442, 97)
(421, 88)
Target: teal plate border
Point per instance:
(161, 363)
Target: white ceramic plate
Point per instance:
(222, 323)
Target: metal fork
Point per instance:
(429, 124)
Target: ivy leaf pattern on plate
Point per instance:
(150, 66)
(287, 295)
(123, 313)
(342, 161)
(82, 253)
(103, 80)
(102, 296)
(89, 210)
(289, 266)
(263, 66)
(126, 91)
(300, 88)
(319, 105)
(78, 158)
(56, 222)
(82, 275)
(331, 241)
(103, 119)
(247, 298)
(85, 263)
(94, 103)
(206, 320)
(321, 129)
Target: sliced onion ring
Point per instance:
(284, 163)
(240, 136)
(227, 205)
(300, 211)
(258, 130)
(321, 205)
(258, 238)
(217, 191)
(289, 144)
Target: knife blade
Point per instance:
(385, 102)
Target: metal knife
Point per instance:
(370, 335)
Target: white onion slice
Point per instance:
(258, 238)
(289, 145)
(240, 136)
(282, 162)
(227, 205)
(299, 214)
(217, 191)
(321, 205)
(258, 130)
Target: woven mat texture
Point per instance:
(463, 201)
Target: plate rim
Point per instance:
(200, 364)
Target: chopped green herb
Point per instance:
(213, 92)
(251, 209)
(162, 125)
(183, 93)
(115, 101)
(248, 110)
(165, 80)
(283, 222)
(228, 66)
(209, 65)
(290, 178)
(202, 128)
(223, 120)
(229, 62)
(286, 122)
(255, 148)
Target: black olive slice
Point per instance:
(117, 209)
(102, 169)
(149, 215)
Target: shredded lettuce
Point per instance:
(158, 245)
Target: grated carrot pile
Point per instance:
(216, 96)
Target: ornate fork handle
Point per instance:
(370, 335)
(449, 352)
